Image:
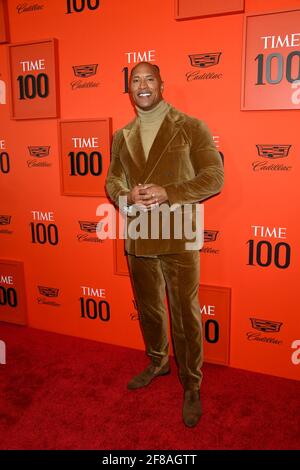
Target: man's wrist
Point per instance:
(129, 199)
(126, 194)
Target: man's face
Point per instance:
(146, 87)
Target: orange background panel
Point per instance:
(215, 305)
(196, 8)
(84, 172)
(257, 43)
(35, 61)
(4, 29)
(121, 266)
(13, 306)
(260, 192)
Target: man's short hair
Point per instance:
(156, 67)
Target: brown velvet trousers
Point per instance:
(179, 273)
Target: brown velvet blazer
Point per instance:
(183, 159)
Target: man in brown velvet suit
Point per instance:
(165, 158)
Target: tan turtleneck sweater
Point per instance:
(150, 122)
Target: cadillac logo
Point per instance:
(48, 291)
(210, 235)
(88, 226)
(39, 151)
(5, 219)
(84, 71)
(273, 151)
(266, 325)
(205, 60)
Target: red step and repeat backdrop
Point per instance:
(64, 68)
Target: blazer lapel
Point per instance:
(133, 141)
(166, 133)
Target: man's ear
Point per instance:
(162, 86)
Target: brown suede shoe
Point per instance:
(192, 410)
(147, 375)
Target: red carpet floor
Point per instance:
(60, 392)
